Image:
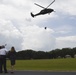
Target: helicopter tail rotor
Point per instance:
(32, 14)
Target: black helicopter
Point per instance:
(44, 11)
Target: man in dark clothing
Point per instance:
(3, 59)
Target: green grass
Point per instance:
(49, 64)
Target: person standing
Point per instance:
(12, 57)
(3, 52)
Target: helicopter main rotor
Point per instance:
(50, 4)
(44, 7)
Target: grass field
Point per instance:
(68, 64)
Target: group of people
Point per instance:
(3, 55)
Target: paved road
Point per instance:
(39, 73)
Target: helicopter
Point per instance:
(44, 11)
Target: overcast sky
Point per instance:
(19, 29)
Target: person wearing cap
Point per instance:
(3, 52)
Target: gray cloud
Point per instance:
(38, 38)
(9, 35)
(68, 41)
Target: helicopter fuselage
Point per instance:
(42, 12)
(45, 11)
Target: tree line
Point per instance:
(57, 53)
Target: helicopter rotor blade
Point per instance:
(50, 4)
(39, 5)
